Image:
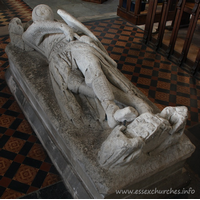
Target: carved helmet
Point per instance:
(42, 12)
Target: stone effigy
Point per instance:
(95, 117)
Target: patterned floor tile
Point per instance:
(6, 121)
(25, 174)
(24, 127)
(11, 194)
(13, 9)
(5, 182)
(4, 165)
(14, 145)
(50, 179)
(19, 158)
(37, 152)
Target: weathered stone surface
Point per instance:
(67, 85)
(79, 147)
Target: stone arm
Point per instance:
(66, 78)
(35, 34)
(76, 83)
(16, 29)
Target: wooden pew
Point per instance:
(167, 13)
(138, 15)
(193, 9)
(95, 1)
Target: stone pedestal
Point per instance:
(74, 151)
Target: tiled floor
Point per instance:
(163, 82)
(13, 8)
(24, 165)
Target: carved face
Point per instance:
(42, 12)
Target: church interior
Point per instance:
(161, 61)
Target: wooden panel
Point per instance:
(162, 24)
(150, 20)
(135, 17)
(179, 58)
(190, 32)
(95, 1)
(177, 22)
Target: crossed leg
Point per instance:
(96, 80)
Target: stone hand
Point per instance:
(69, 34)
(16, 26)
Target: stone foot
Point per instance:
(126, 114)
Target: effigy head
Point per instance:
(42, 12)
